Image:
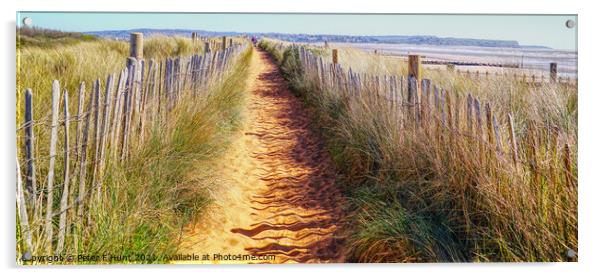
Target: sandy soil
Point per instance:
(279, 196)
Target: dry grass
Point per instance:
(435, 193)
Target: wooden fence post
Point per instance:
(77, 147)
(425, 100)
(136, 46)
(207, 47)
(512, 135)
(335, 56)
(553, 72)
(567, 165)
(469, 103)
(103, 131)
(119, 99)
(489, 117)
(414, 67)
(224, 43)
(80, 110)
(127, 109)
(450, 119)
(457, 106)
(30, 181)
(52, 154)
(22, 210)
(96, 136)
(83, 168)
(442, 100)
(533, 147)
(496, 132)
(479, 128)
(413, 111)
(65, 196)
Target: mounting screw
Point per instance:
(26, 256)
(27, 21)
(571, 255)
(570, 23)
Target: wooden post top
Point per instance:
(335, 56)
(136, 45)
(414, 67)
(553, 71)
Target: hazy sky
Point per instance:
(544, 30)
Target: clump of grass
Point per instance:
(429, 194)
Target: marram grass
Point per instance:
(419, 197)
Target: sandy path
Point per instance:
(278, 195)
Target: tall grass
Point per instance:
(166, 179)
(434, 193)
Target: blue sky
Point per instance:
(544, 30)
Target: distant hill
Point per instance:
(125, 34)
(420, 40)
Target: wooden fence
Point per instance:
(531, 78)
(445, 116)
(528, 78)
(515, 72)
(111, 121)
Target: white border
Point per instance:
(589, 130)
